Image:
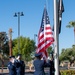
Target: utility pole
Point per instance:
(56, 37)
(35, 35)
(18, 14)
(10, 42)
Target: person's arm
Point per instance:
(10, 65)
(23, 65)
(47, 63)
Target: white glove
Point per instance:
(13, 60)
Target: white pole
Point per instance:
(56, 37)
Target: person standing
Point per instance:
(11, 66)
(52, 69)
(39, 65)
(20, 65)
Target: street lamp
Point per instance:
(18, 15)
(35, 35)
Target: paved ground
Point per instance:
(6, 72)
(27, 72)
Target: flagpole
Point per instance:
(56, 37)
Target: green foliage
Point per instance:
(49, 50)
(4, 47)
(67, 72)
(67, 54)
(27, 47)
(71, 24)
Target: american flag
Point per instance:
(45, 35)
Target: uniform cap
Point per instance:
(11, 56)
(38, 54)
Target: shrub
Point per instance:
(67, 72)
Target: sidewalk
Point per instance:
(7, 71)
(27, 71)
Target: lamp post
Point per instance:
(18, 15)
(35, 35)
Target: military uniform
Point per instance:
(39, 65)
(20, 67)
(52, 69)
(11, 67)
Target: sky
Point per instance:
(31, 21)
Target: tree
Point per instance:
(27, 47)
(50, 50)
(4, 48)
(72, 24)
(68, 54)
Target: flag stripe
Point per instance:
(48, 33)
(43, 41)
(44, 46)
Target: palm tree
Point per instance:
(72, 24)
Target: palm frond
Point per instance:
(68, 26)
(72, 23)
